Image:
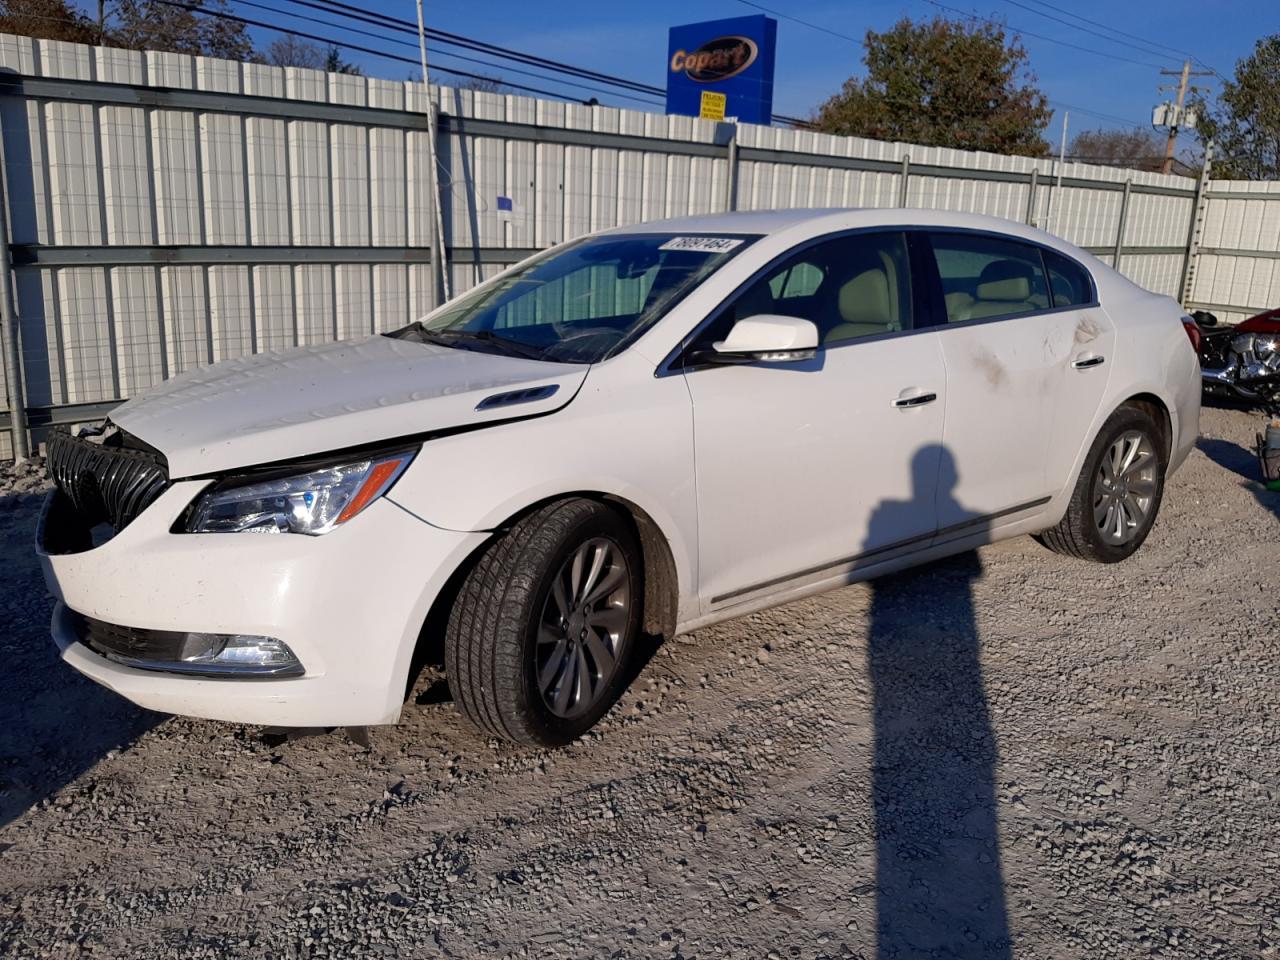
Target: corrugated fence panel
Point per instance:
(1237, 273)
(206, 174)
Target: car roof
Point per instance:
(819, 220)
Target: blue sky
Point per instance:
(630, 39)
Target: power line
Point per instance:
(1109, 117)
(442, 36)
(805, 23)
(1073, 26)
(1131, 36)
(351, 46)
(453, 56)
(1040, 36)
(480, 46)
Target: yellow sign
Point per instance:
(712, 105)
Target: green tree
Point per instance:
(46, 20)
(1245, 124)
(943, 83)
(152, 25)
(334, 63)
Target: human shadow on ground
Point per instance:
(54, 724)
(940, 888)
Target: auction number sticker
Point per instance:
(702, 244)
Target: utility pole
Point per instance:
(1175, 116)
(1062, 159)
(439, 268)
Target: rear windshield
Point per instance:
(583, 302)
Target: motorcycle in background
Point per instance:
(1241, 362)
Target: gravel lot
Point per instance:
(1044, 758)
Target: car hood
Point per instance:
(310, 400)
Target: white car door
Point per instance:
(1026, 357)
(809, 469)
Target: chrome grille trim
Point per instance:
(111, 483)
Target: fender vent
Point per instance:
(524, 395)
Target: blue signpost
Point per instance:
(723, 69)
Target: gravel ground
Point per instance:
(1005, 754)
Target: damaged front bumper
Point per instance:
(348, 607)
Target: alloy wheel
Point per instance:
(1125, 487)
(583, 628)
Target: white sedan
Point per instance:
(646, 430)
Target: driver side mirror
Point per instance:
(764, 337)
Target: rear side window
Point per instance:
(985, 277)
(1068, 282)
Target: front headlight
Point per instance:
(311, 503)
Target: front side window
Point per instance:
(850, 287)
(579, 304)
(1068, 282)
(985, 277)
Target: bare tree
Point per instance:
(483, 85)
(290, 51)
(1135, 148)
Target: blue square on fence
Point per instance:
(504, 204)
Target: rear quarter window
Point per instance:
(1069, 283)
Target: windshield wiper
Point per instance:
(505, 344)
(417, 331)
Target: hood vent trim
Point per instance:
(523, 395)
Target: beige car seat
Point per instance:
(868, 303)
(1004, 286)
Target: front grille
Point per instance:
(108, 476)
(128, 643)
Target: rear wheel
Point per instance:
(1117, 494)
(539, 638)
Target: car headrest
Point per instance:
(1005, 280)
(865, 298)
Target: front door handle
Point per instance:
(919, 400)
(1084, 363)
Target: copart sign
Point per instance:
(731, 57)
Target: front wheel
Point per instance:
(543, 628)
(1117, 494)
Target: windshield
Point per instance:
(583, 302)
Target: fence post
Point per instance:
(902, 184)
(731, 178)
(9, 328)
(1198, 206)
(1124, 213)
(1031, 196)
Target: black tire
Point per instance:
(491, 641)
(1078, 534)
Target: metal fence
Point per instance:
(169, 211)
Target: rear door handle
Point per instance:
(1084, 363)
(919, 400)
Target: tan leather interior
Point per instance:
(868, 303)
(1004, 287)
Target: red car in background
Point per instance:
(1241, 362)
